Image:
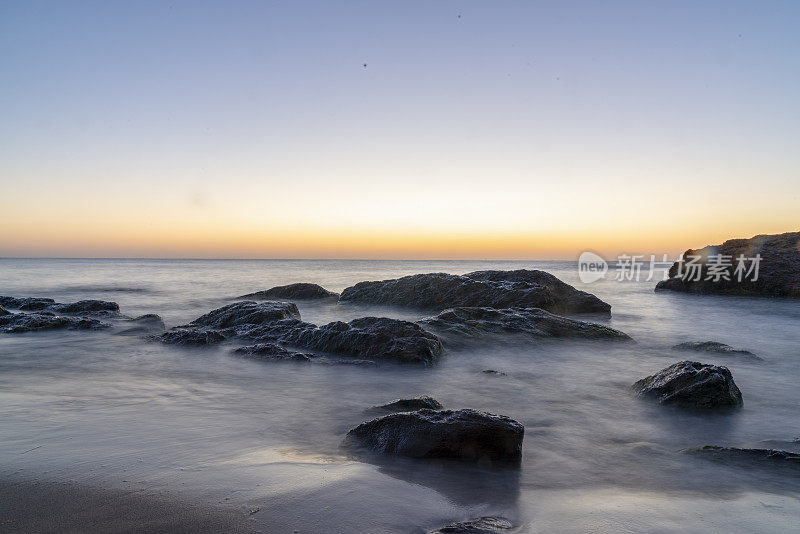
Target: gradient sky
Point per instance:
(476, 129)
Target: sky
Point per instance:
(407, 129)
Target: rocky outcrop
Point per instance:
(467, 435)
(17, 323)
(272, 352)
(691, 385)
(26, 303)
(30, 304)
(716, 348)
(4, 311)
(299, 291)
(408, 405)
(191, 336)
(368, 338)
(481, 525)
(248, 313)
(531, 322)
(492, 289)
(778, 269)
(770, 457)
(84, 306)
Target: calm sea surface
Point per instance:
(203, 425)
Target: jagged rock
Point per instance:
(691, 385)
(716, 348)
(408, 405)
(17, 323)
(4, 311)
(27, 303)
(299, 291)
(733, 454)
(493, 289)
(248, 313)
(532, 322)
(367, 338)
(481, 525)
(778, 272)
(84, 306)
(272, 351)
(467, 435)
(191, 336)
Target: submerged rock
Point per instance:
(493, 289)
(17, 323)
(272, 351)
(299, 291)
(143, 324)
(716, 348)
(467, 435)
(248, 313)
(408, 405)
(771, 457)
(481, 525)
(84, 306)
(778, 269)
(191, 336)
(493, 372)
(691, 385)
(533, 322)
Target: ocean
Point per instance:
(261, 440)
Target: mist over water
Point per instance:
(201, 424)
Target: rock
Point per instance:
(272, 351)
(144, 324)
(532, 322)
(733, 454)
(467, 435)
(248, 313)
(481, 525)
(4, 311)
(691, 385)
(493, 289)
(716, 348)
(778, 273)
(17, 323)
(191, 336)
(84, 306)
(408, 405)
(26, 304)
(367, 338)
(299, 291)
(493, 372)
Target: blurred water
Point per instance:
(202, 424)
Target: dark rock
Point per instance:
(191, 336)
(84, 306)
(27, 303)
(408, 405)
(493, 289)
(4, 311)
(248, 313)
(691, 385)
(17, 323)
(770, 457)
(716, 348)
(299, 291)
(778, 273)
(493, 372)
(481, 525)
(467, 435)
(272, 351)
(533, 322)
(367, 338)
